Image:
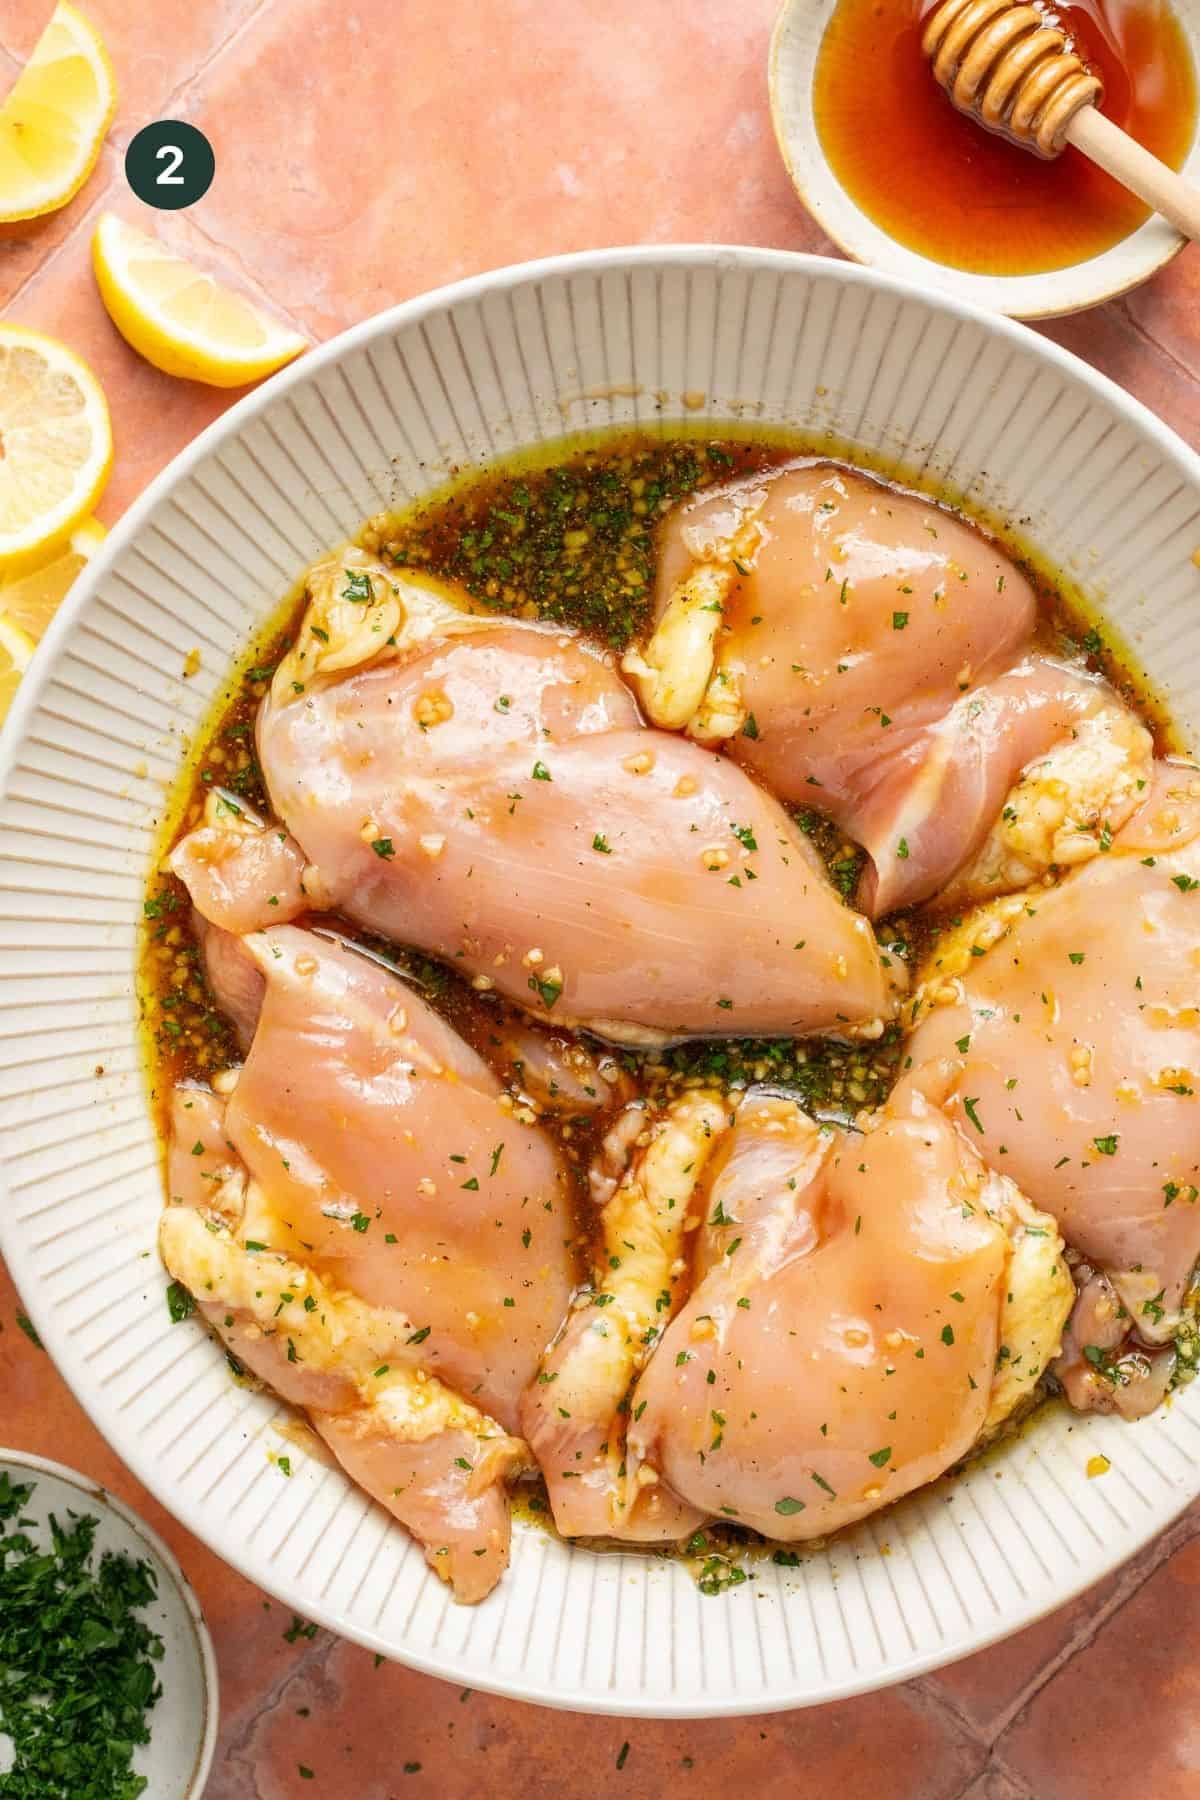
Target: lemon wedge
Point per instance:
(16, 648)
(53, 122)
(55, 446)
(180, 318)
(32, 600)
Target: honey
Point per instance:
(938, 183)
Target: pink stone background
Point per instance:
(366, 150)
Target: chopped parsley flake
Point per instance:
(358, 586)
(180, 1304)
(80, 1667)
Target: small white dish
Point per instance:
(795, 45)
(183, 1721)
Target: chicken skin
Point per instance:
(485, 792)
(857, 649)
(1075, 1014)
(867, 1308)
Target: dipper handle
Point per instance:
(1135, 168)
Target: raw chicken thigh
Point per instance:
(868, 1307)
(434, 1461)
(853, 647)
(862, 1309)
(242, 871)
(1075, 1013)
(574, 1414)
(485, 792)
(390, 1154)
(235, 979)
(558, 1075)
(835, 596)
(941, 803)
(376, 1233)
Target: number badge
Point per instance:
(170, 164)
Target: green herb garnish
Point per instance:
(77, 1666)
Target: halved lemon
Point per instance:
(16, 648)
(55, 446)
(32, 600)
(53, 122)
(180, 318)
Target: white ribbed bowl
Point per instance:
(98, 733)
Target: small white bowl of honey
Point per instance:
(899, 179)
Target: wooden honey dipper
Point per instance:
(1008, 66)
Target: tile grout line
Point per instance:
(934, 1700)
(1172, 1539)
(48, 261)
(315, 1657)
(113, 149)
(998, 1765)
(994, 1766)
(179, 93)
(1190, 376)
(942, 1707)
(265, 299)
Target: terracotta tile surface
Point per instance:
(986, 1689)
(450, 1742)
(1141, 1676)
(343, 243)
(156, 50)
(366, 151)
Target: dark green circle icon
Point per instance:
(170, 164)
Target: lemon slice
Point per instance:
(54, 120)
(55, 446)
(180, 318)
(16, 648)
(32, 600)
